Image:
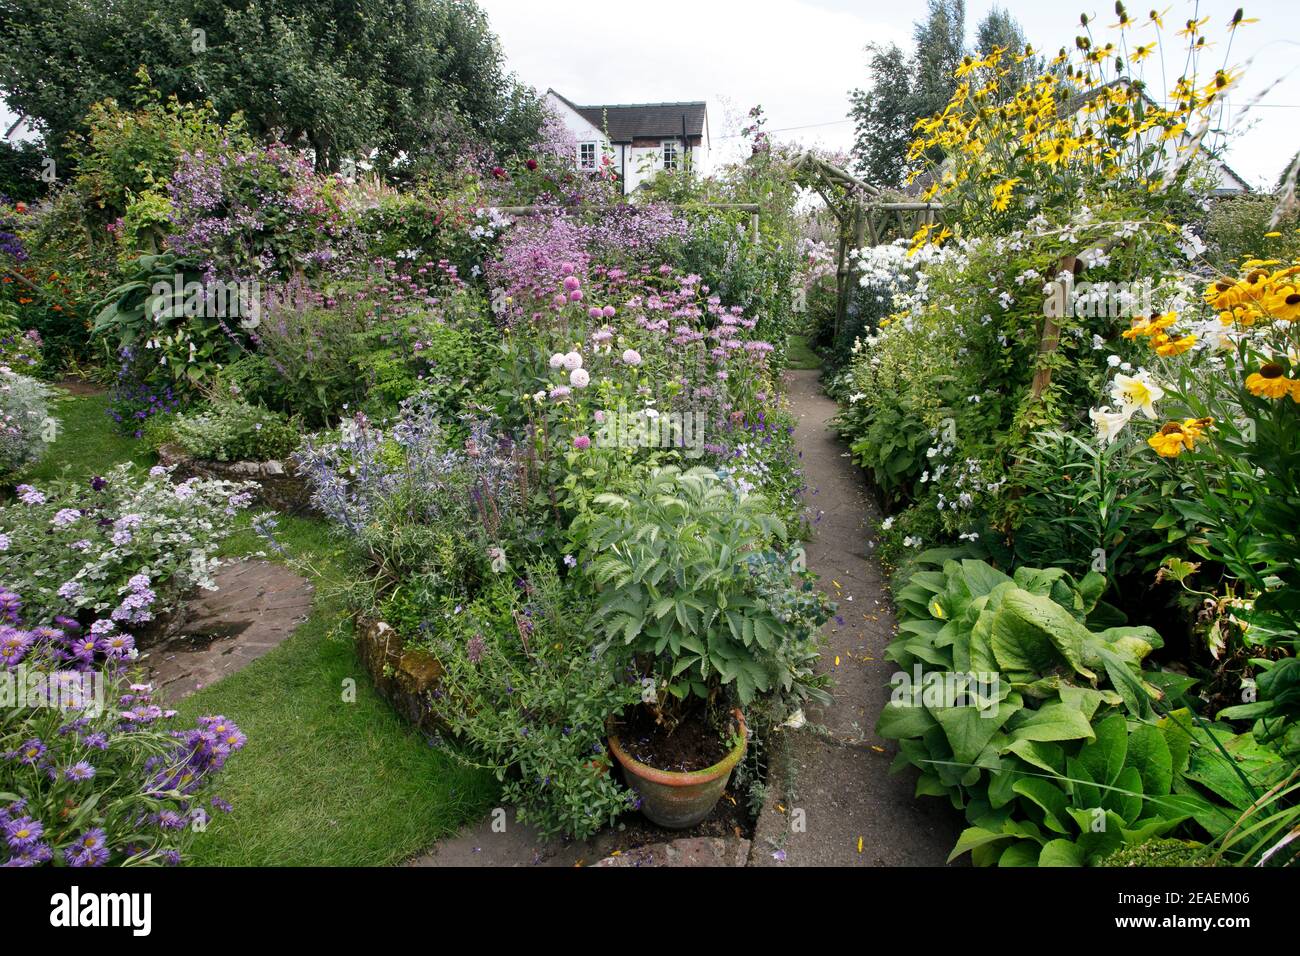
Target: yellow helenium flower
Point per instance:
(1271, 381)
(1167, 347)
(1176, 437)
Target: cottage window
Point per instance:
(587, 156)
(670, 154)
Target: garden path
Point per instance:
(835, 769)
(257, 605)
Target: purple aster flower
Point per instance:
(35, 855)
(23, 832)
(31, 751)
(79, 771)
(90, 849)
(10, 606)
(14, 645)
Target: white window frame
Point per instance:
(676, 150)
(582, 148)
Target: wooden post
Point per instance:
(1050, 339)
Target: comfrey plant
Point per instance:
(109, 546)
(91, 771)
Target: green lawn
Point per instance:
(323, 782)
(320, 782)
(800, 355)
(87, 441)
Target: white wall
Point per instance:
(583, 131)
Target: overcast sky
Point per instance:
(799, 58)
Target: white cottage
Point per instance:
(641, 138)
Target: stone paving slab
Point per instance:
(256, 606)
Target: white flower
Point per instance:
(1109, 424)
(887, 523)
(1113, 361)
(539, 396)
(579, 378)
(910, 542)
(571, 361)
(632, 357)
(1136, 392)
(557, 360)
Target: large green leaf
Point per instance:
(1034, 634)
(1053, 721)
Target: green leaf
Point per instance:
(1053, 721)
(1061, 853)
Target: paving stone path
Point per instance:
(257, 605)
(831, 785)
(832, 799)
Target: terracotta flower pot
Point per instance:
(679, 800)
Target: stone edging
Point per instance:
(403, 677)
(278, 487)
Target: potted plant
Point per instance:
(714, 620)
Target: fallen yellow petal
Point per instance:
(837, 660)
(859, 844)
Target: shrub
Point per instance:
(233, 430)
(525, 685)
(130, 152)
(117, 546)
(166, 310)
(681, 571)
(26, 427)
(437, 522)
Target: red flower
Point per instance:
(531, 164)
(498, 172)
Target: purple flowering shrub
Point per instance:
(117, 548)
(527, 688)
(92, 772)
(256, 214)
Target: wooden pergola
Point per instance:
(865, 217)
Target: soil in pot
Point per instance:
(695, 744)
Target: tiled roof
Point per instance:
(628, 121)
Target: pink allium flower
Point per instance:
(582, 442)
